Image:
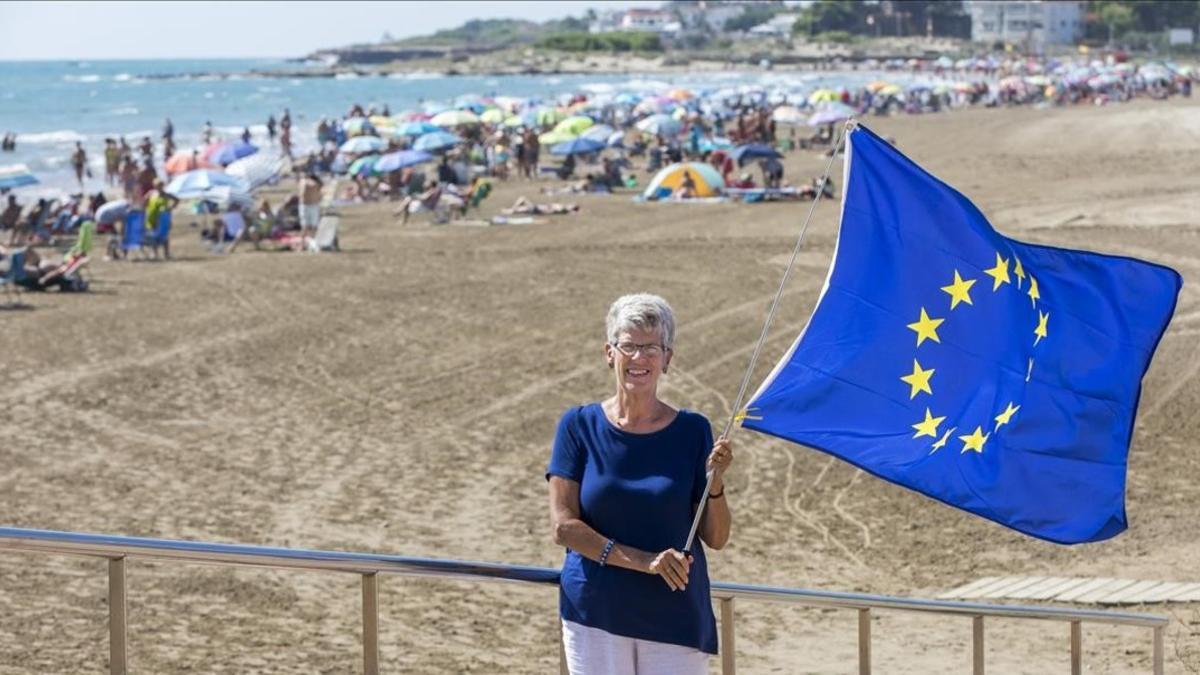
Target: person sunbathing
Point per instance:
(525, 207)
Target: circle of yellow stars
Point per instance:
(920, 380)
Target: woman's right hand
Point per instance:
(673, 567)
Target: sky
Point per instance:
(144, 30)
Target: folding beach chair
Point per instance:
(135, 232)
(326, 238)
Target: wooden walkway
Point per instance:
(1087, 590)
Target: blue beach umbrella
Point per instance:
(361, 144)
(363, 165)
(394, 161)
(195, 183)
(231, 152)
(417, 128)
(577, 146)
(599, 132)
(744, 153)
(436, 140)
(660, 125)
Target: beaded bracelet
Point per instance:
(608, 547)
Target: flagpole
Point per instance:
(762, 337)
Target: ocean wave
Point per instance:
(81, 78)
(346, 76)
(597, 87)
(122, 77)
(130, 110)
(52, 137)
(415, 75)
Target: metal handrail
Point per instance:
(117, 548)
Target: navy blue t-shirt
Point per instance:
(640, 490)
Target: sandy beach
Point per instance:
(401, 397)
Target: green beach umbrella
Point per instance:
(574, 125)
(492, 116)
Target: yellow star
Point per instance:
(974, 440)
(929, 426)
(918, 380)
(1019, 271)
(926, 328)
(1005, 416)
(942, 441)
(1040, 331)
(1034, 296)
(959, 290)
(999, 273)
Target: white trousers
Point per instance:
(591, 651)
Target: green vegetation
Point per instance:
(1109, 20)
(495, 33)
(580, 41)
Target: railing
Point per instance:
(116, 549)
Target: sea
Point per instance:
(52, 104)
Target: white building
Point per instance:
(1032, 23)
(779, 25)
(648, 20)
(696, 15)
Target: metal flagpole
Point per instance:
(737, 404)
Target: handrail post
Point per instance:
(728, 652)
(117, 660)
(864, 641)
(1158, 650)
(977, 645)
(562, 652)
(370, 608)
(1076, 648)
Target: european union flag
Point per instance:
(997, 376)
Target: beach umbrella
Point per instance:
(823, 96)
(455, 118)
(715, 143)
(417, 128)
(226, 196)
(231, 152)
(575, 125)
(660, 125)
(553, 137)
(394, 161)
(111, 212)
(578, 146)
(626, 98)
(829, 113)
(745, 153)
(788, 114)
(194, 183)
(681, 95)
(182, 162)
(361, 144)
(356, 126)
(599, 132)
(708, 181)
(546, 116)
(257, 170)
(363, 165)
(493, 116)
(15, 176)
(436, 140)
(616, 140)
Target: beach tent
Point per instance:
(708, 180)
(194, 183)
(257, 170)
(15, 176)
(394, 161)
(361, 144)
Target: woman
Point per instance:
(626, 476)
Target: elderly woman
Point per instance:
(626, 477)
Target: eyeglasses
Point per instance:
(631, 349)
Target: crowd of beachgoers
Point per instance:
(441, 158)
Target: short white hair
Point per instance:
(644, 311)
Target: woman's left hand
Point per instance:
(721, 456)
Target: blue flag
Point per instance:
(996, 376)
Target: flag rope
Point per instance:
(737, 414)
